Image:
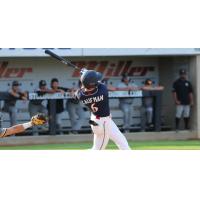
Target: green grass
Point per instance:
(138, 145)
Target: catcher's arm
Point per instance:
(36, 120)
(12, 130)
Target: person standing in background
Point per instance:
(36, 106)
(10, 104)
(125, 104)
(183, 97)
(55, 88)
(75, 108)
(147, 105)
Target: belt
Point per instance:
(98, 117)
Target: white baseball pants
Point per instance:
(182, 110)
(106, 130)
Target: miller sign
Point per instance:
(114, 69)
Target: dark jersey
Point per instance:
(182, 88)
(97, 101)
(11, 101)
(38, 101)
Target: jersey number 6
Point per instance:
(93, 108)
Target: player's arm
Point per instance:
(128, 88)
(14, 94)
(75, 94)
(174, 94)
(14, 130)
(175, 98)
(45, 91)
(111, 88)
(155, 88)
(36, 120)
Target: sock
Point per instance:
(177, 123)
(186, 120)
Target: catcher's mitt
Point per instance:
(39, 119)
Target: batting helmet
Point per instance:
(90, 79)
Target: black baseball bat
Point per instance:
(61, 59)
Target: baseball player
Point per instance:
(10, 104)
(94, 95)
(147, 104)
(125, 104)
(75, 108)
(55, 88)
(183, 97)
(36, 106)
(36, 120)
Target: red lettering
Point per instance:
(110, 70)
(144, 71)
(126, 68)
(22, 71)
(102, 66)
(80, 64)
(91, 65)
(3, 67)
(119, 68)
(11, 73)
(113, 69)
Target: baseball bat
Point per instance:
(61, 59)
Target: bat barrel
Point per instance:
(64, 61)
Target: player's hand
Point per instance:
(61, 91)
(178, 102)
(133, 88)
(39, 119)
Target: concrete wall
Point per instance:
(195, 80)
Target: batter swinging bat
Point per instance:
(64, 61)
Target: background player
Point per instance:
(75, 109)
(35, 121)
(94, 95)
(36, 106)
(15, 94)
(126, 104)
(183, 97)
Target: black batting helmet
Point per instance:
(90, 79)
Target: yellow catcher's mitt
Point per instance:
(39, 119)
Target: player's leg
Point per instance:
(13, 115)
(59, 123)
(81, 116)
(179, 112)
(125, 109)
(72, 114)
(150, 116)
(117, 137)
(143, 118)
(101, 137)
(186, 115)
